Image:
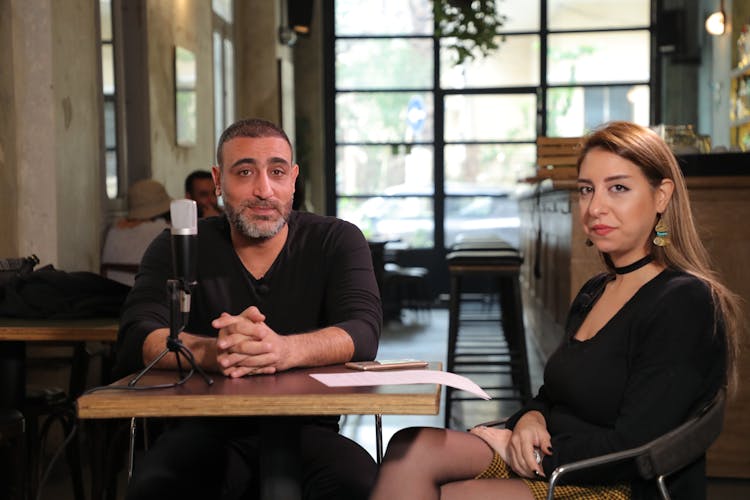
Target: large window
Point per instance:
(428, 152)
(598, 64)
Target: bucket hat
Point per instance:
(147, 199)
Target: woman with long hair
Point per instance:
(646, 344)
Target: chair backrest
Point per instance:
(664, 455)
(686, 443)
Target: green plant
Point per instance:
(473, 25)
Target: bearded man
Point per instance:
(276, 289)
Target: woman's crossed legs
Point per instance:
(430, 463)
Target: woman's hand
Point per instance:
(496, 438)
(530, 432)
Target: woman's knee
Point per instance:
(411, 440)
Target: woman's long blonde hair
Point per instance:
(645, 148)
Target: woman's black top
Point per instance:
(656, 361)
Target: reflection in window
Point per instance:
(521, 15)
(480, 217)
(370, 169)
(366, 17)
(487, 168)
(585, 14)
(384, 63)
(408, 220)
(598, 57)
(573, 111)
(515, 64)
(384, 117)
(490, 117)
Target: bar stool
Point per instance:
(482, 244)
(488, 352)
(408, 287)
(12, 450)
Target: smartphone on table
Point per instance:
(386, 364)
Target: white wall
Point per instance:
(50, 132)
(187, 24)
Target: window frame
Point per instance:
(117, 99)
(439, 143)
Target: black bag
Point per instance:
(50, 293)
(10, 268)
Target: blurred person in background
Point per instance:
(199, 186)
(128, 237)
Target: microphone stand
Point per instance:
(179, 304)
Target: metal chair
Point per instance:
(664, 455)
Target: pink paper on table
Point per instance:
(390, 377)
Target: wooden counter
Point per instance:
(557, 263)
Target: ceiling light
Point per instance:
(715, 22)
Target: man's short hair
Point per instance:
(251, 127)
(197, 174)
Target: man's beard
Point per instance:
(262, 227)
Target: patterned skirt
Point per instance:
(498, 469)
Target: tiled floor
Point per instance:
(421, 336)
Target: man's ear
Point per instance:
(295, 173)
(664, 194)
(216, 174)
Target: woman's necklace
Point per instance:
(635, 265)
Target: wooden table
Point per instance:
(15, 333)
(59, 330)
(288, 393)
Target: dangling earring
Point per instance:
(589, 243)
(662, 233)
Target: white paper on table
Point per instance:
(389, 377)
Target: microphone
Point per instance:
(184, 231)
(184, 272)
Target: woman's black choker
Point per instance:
(635, 265)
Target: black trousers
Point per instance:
(253, 458)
